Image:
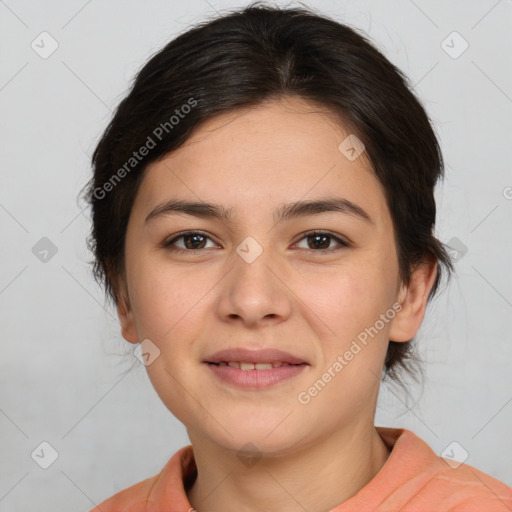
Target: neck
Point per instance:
(316, 478)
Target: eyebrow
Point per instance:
(282, 214)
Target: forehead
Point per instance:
(278, 152)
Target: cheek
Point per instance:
(169, 308)
(346, 297)
(349, 302)
(170, 305)
(159, 297)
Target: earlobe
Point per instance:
(125, 314)
(413, 298)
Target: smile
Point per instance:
(255, 375)
(253, 366)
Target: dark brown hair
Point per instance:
(240, 60)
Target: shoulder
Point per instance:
(466, 488)
(419, 479)
(131, 499)
(161, 490)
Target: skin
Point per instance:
(292, 297)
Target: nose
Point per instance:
(253, 293)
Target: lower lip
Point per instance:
(256, 379)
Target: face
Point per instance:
(305, 281)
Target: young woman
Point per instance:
(263, 213)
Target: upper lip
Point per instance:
(265, 355)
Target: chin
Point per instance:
(251, 440)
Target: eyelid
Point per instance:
(343, 242)
(168, 241)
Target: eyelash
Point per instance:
(342, 243)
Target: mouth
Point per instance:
(254, 359)
(245, 366)
(254, 376)
(254, 369)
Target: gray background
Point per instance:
(67, 376)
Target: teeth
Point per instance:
(263, 366)
(253, 366)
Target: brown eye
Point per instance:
(192, 241)
(320, 241)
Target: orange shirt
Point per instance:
(413, 479)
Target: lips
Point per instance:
(255, 369)
(242, 365)
(236, 357)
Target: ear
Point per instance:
(125, 312)
(413, 298)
